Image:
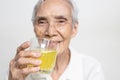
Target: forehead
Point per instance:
(54, 8)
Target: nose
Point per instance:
(51, 30)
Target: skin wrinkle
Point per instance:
(70, 2)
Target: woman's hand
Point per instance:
(18, 69)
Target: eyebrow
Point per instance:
(56, 17)
(41, 18)
(61, 17)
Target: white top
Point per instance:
(81, 67)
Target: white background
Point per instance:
(98, 36)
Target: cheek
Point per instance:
(66, 35)
(39, 31)
(65, 31)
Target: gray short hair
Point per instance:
(71, 2)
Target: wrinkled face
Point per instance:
(54, 20)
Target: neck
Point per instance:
(62, 62)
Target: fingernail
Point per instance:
(38, 61)
(37, 54)
(36, 68)
(28, 42)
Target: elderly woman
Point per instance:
(56, 19)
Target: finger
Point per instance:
(29, 53)
(30, 70)
(26, 54)
(27, 61)
(23, 46)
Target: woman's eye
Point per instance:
(61, 21)
(41, 22)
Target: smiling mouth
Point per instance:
(54, 43)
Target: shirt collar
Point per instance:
(74, 68)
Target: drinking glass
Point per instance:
(47, 49)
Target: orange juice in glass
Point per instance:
(48, 58)
(47, 49)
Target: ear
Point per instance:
(74, 29)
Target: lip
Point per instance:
(51, 39)
(55, 40)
